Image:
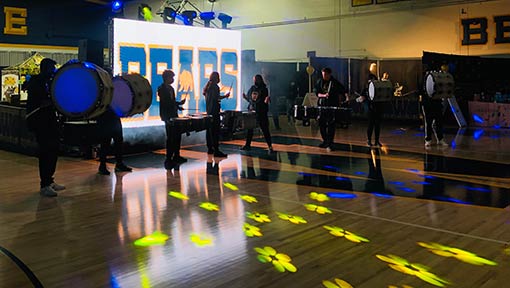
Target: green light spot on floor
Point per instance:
(339, 232)
(230, 186)
(339, 283)
(291, 218)
(178, 195)
(201, 240)
(280, 261)
(248, 198)
(155, 239)
(251, 231)
(421, 271)
(318, 209)
(457, 253)
(209, 206)
(318, 196)
(259, 217)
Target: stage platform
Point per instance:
(400, 216)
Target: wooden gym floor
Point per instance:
(401, 216)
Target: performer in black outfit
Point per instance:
(168, 107)
(375, 111)
(258, 96)
(433, 117)
(42, 120)
(212, 103)
(111, 128)
(329, 91)
(292, 94)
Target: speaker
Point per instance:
(91, 51)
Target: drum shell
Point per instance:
(248, 120)
(311, 112)
(183, 125)
(140, 98)
(200, 122)
(380, 91)
(439, 85)
(100, 102)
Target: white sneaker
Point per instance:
(428, 143)
(442, 143)
(48, 192)
(57, 187)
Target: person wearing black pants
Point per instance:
(258, 96)
(329, 91)
(111, 128)
(212, 103)
(375, 111)
(42, 120)
(432, 110)
(168, 109)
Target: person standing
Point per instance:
(375, 111)
(168, 109)
(292, 94)
(42, 120)
(212, 103)
(111, 128)
(329, 91)
(259, 98)
(433, 117)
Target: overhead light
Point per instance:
(144, 12)
(169, 15)
(189, 15)
(207, 17)
(117, 7)
(225, 20)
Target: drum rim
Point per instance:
(87, 112)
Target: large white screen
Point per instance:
(191, 52)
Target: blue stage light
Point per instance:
(478, 134)
(117, 6)
(207, 17)
(341, 195)
(225, 20)
(477, 118)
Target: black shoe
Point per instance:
(369, 143)
(270, 149)
(323, 145)
(169, 165)
(103, 170)
(245, 148)
(378, 144)
(180, 159)
(220, 154)
(210, 151)
(121, 167)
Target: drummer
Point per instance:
(329, 91)
(168, 107)
(433, 117)
(375, 110)
(212, 100)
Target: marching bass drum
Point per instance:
(439, 85)
(132, 94)
(81, 90)
(380, 91)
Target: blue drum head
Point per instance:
(122, 101)
(75, 89)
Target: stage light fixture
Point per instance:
(189, 15)
(169, 15)
(225, 20)
(144, 12)
(117, 6)
(207, 17)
